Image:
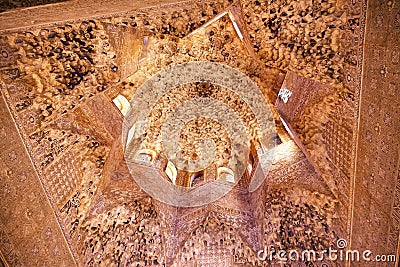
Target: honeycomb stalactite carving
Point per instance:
(302, 36)
(216, 42)
(304, 221)
(214, 243)
(59, 68)
(90, 157)
(56, 77)
(186, 92)
(322, 135)
(127, 235)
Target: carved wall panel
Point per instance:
(59, 79)
(321, 119)
(9, 5)
(61, 178)
(376, 182)
(26, 213)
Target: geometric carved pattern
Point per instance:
(319, 116)
(60, 178)
(395, 226)
(215, 256)
(214, 243)
(338, 140)
(30, 234)
(396, 206)
(8, 251)
(376, 167)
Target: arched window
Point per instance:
(226, 173)
(171, 172)
(131, 134)
(145, 155)
(249, 169)
(196, 178)
(122, 104)
(250, 164)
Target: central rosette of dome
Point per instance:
(196, 131)
(198, 126)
